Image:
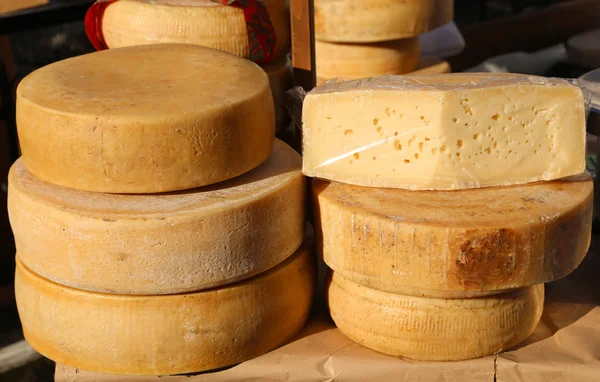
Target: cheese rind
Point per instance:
(444, 132)
(200, 22)
(161, 243)
(454, 244)
(434, 329)
(432, 65)
(173, 334)
(280, 79)
(378, 20)
(354, 61)
(116, 121)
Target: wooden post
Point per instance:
(303, 43)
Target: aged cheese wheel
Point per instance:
(199, 22)
(432, 65)
(454, 244)
(280, 78)
(160, 243)
(354, 61)
(172, 334)
(117, 121)
(378, 20)
(432, 329)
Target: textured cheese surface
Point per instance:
(117, 121)
(160, 243)
(280, 78)
(200, 22)
(354, 61)
(432, 65)
(452, 244)
(378, 20)
(173, 334)
(434, 329)
(451, 131)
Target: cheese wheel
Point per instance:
(280, 78)
(173, 334)
(198, 22)
(117, 121)
(354, 61)
(378, 20)
(454, 244)
(432, 65)
(431, 329)
(160, 243)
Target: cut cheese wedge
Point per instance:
(354, 61)
(434, 329)
(161, 243)
(199, 22)
(432, 65)
(116, 121)
(174, 334)
(454, 244)
(444, 132)
(378, 20)
(280, 78)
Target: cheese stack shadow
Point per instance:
(366, 38)
(444, 204)
(160, 228)
(207, 23)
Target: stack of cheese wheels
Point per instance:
(160, 228)
(205, 23)
(444, 204)
(366, 38)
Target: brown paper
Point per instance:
(564, 347)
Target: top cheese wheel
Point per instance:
(444, 132)
(145, 119)
(199, 22)
(378, 20)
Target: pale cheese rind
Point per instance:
(432, 65)
(161, 243)
(145, 119)
(454, 244)
(444, 132)
(355, 61)
(173, 334)
(200, 22)
(378, 20)
(434, 329)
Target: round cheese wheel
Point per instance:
(454, 244)
(378, 20)
(160, 243)
(432, 65)
(172, 334)
(354, 61)
(280, 78)
(433, 329)
(145, 119)
(199, 22)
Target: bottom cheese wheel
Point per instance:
(432, 329)
(280, 79)
(170, 334)
(432, 65)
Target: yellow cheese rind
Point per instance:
(444, 132)
(354, 61)
(454, 244)
(172, 334)
(280, 79)
(203, 22)
(432, 65)
(378, 20)
(116, 121)
(434, 329)
(161, 243)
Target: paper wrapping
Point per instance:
(564, 347)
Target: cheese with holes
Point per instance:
(432, 65)
(160, 243)
(199, 22)
(172, 334)
(444, 132)
(432, 329)
(454, 244)
(354, 61)
(280, 78)
(116, 121)
(378, 20)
